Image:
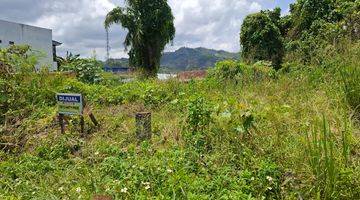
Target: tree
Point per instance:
(306, 12)
(315, 24)
(150, 25)
(261, 38)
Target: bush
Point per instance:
(239, 72)
(20, 87)
(86, 70)
(198, 120)
(227, 70)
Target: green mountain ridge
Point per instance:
(185, 59)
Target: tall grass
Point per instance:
(321, 158)
(345, 58)
(345, 144)
(351, 81)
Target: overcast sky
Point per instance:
(78, 24)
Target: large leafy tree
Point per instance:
(150, 27)
(306, 12)
(314, 24)
(261, 37)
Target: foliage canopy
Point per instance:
(261, 37)
(150, 25)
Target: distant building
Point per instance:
(40, 39)
(117, 69)
(117, 65)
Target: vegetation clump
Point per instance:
(87, 70)
(150, 25)
(246, 131)
(213, 138)
(261, 38)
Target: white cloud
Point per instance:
(212, 24)
(79, 23)
(255, 7)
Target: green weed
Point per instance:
(320, 151)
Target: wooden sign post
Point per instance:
(61, 122)
(72, 104)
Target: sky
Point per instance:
(78, 24)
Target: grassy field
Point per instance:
(243, 132)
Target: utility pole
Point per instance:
(107, 45)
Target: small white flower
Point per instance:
(169, 170)
(252, 178)
(269, 178)
(269, 188)
(97, 153)
(61, 189)
(78, 190)
(124, 190)
(146, 184)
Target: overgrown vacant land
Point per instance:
(244, 132)
(284, 129)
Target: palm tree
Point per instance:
(150, 25)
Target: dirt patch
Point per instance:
(188, 75)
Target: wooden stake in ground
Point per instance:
(82, 124)
(61, 122)
(143, 125)
(93, 119)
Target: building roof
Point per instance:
(11, 22)
(56, 43)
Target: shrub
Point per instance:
(86, 70)
(153, 97)
(20, 87)
(239, 72)
(227, 70)
(198, 119)
(262, 70)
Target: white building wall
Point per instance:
(40, 39)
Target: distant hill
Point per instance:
(198, 58)
(114, 62)
(185, 59)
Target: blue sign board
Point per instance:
(70, 104)
(116, 69)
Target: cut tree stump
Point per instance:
(143, 126)
(102, 197)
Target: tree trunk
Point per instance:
(150, 68)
